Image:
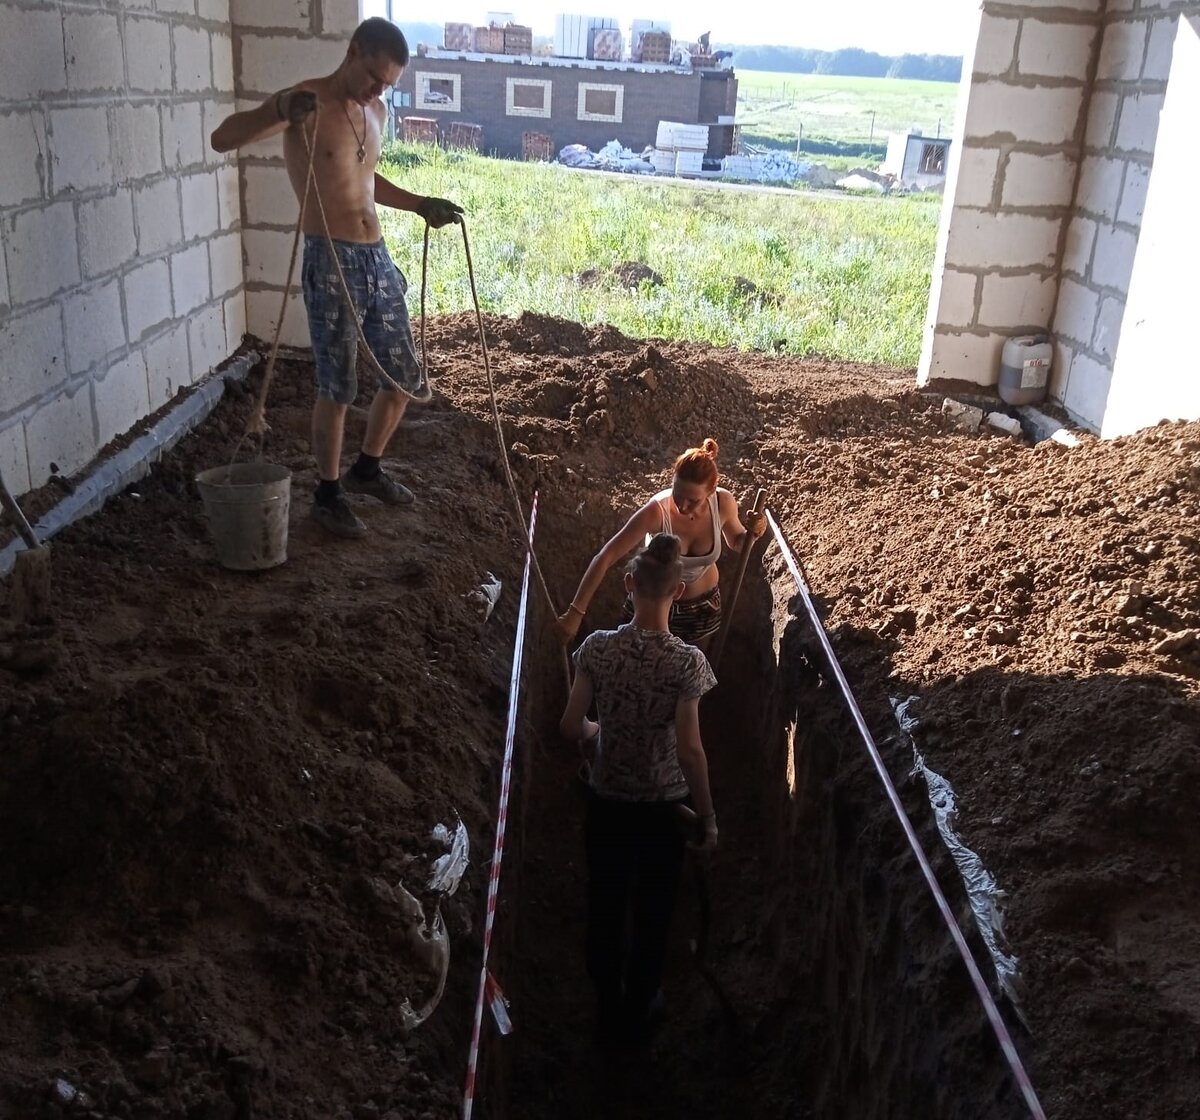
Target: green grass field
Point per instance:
(773, 109)
(851, 277)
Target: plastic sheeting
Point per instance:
(612, 157)
(134, 462)
(984, 893)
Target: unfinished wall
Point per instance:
(120, 256)
(1156, 373)
(277, 43)
(1017, 145)
(1120, 148)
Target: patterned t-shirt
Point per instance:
(639, 676)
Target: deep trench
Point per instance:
(830, 987)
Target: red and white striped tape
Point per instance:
(985, 996)
(489, 990)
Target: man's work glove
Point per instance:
(293, 105)
(439, 212)
(756, 523)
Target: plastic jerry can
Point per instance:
(1025, 369)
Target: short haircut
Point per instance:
(657, 570)
(377, 36)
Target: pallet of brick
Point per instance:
(570, 36)
(518, 39)
(458, 37)
(489, 40)
(420, 130)
(605, 44)
(463, 135)
(688, 163)
(663, 161)
(679, 136)
(656, 46)
(537, 145)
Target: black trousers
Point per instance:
(635, 852)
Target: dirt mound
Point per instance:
(627, 274)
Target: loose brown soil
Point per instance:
(210, 794)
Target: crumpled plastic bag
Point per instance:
(485, 596)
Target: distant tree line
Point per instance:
(851, 62)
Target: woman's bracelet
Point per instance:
(572, 607)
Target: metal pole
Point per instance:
(872, 139)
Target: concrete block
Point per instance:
(1039, 115)
(1157, 66)
(201, 212)
(168, 367)
(121, 396)
(1108, 328)
(32, 59)
(1056, 50)
(996, 47)
(1086, 393)
(95, 326)
(1075, 316)
(222, 62)
(43, 257)
(1133, 196)
(217, 11)
(1138, 129)
(235, 321)
(177, 7)
(262, 313)
(1038, 180)
(106, 236)
(189, 279)
(95, 58)
(229, 198)
(23, 166)
(1077, 253)
(290, 14)
(1112, 266)
(193, 59)
(1102, 119)
(1017, 302)
(147, 297)
(206, 340)
(1060, 368)
(266, 68)
(80, 154)
(979, 240)
(184, 141)
(268, 252)
(1099, 188)
(156, 212)
(32, 345)
(978, 170)
(136, 141)
(966, 357)
(14, 458)
(60, 435)
(270, 198)
(956, 301)
(4, 293)
(225, 263)
(148, 54)
(339, 17)
(1122, 51)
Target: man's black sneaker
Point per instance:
(338, 518)
(383, 487)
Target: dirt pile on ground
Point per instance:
(209, 800)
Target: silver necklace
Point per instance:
(362, 144)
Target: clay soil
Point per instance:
(213, 782)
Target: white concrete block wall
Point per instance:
(1014, 163)
(277, 43)
(121, 276)
(1131, 84)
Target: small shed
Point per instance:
(917, 161)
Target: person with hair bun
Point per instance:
(647, 780)
(702, 515)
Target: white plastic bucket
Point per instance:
(247, 506)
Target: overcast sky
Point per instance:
(887, 26)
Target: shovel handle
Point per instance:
(14, 511)
(743, 559)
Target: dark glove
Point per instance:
(293, 105)
(439, 212)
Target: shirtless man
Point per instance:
(348, 136)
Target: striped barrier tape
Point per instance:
(985, 996)
(489, 990)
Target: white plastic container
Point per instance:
(1025, 369)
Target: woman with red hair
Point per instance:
(702, 515)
